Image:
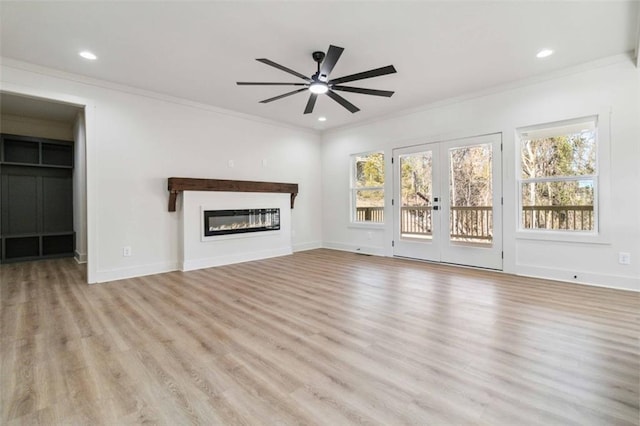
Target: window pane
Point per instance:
(369, 205)
(470, 189)
(566, 205)
(562, 155)
(369, 170)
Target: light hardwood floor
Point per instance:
(319, 337)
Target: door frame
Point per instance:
(443, 250)
(89, 211)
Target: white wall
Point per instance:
(27, 126)
(80, 188)
(611, 86)
(136, 140)
(206, 252)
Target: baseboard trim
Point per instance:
(80, 257)
(376, 251)
(134, 271)
(210, 262)
(307, 246)
(584, 278)
(552, 274)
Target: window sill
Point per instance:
(366, 225)
(562, 237)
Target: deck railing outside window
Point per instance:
(415, 220)
(471, 223)
(572, 218)
(476, 223)
(370, 214)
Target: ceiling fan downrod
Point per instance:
(318, 57)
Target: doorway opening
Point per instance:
(447, 201)
(42, 179)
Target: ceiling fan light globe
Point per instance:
(318, 88)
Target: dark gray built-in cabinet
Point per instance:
(36, 198)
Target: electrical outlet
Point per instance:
(624, 258)
(264, 162)
(126, 251)
(231, 163)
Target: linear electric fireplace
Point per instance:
(225, 222)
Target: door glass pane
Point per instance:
(416, 195)
(471, 194)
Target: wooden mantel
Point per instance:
(177, 185)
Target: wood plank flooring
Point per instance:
(319, 337)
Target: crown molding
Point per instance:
(577, 69)
(103, 84)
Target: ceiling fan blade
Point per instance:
(251, 83)
(283, 68)
(389, 69)
(311, 103)
(374, 92)
(342, 101)
(333, 54)
(275, 98)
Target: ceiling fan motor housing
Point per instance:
(318, 56)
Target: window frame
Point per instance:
(353, 190)
(594, 235)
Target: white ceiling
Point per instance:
(198, 50)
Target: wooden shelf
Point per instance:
(36, 206)
(177, 185)
(35, 152)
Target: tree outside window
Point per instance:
(367, 187)
(559, 176)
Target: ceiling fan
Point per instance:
(319, 83)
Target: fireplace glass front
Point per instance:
(224, 222)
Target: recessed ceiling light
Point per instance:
(322, 118)
(88, 55)
(544, 53)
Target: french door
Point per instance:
(447, 201)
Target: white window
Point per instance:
(558, 172)
(367, 188)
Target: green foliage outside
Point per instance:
(470, 183)
(556, 157)
(370, 170)
(556, 171)
(370, 174)
(416, 170)
(558, 187)
(470, 180)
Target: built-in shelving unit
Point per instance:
(36, 198)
